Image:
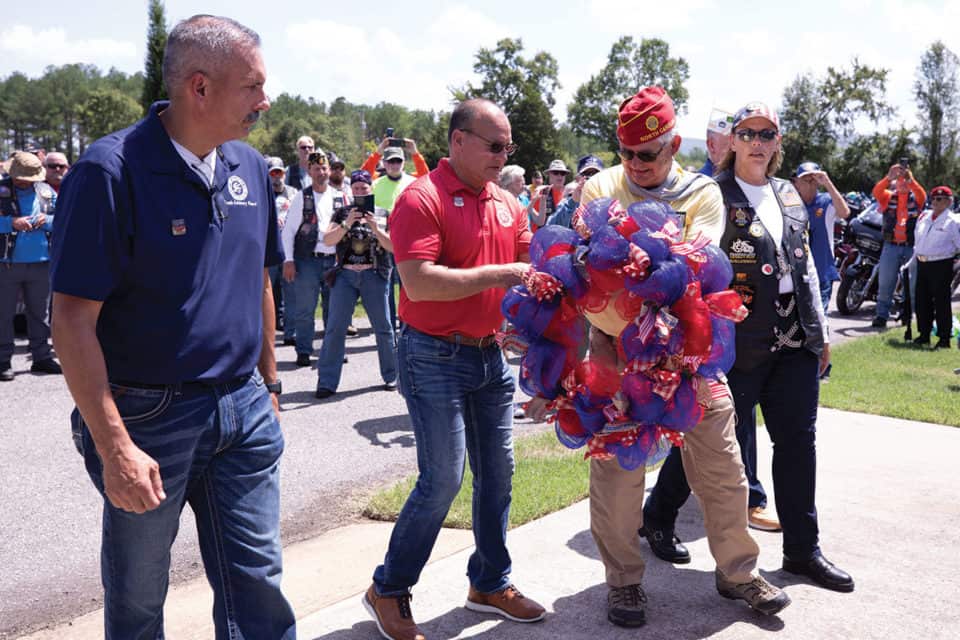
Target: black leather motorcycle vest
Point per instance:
(757, 270)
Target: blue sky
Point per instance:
(412, 52)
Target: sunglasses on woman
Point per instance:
(747, 135)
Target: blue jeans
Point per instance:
(309, 287)
(892, 257)
(284, 301)
(218, 447)
(371, 288)
(460, 400)
(787, 390)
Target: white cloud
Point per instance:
(630, 16)
(29, 50)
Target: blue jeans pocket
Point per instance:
(425, 355)
(137, 405)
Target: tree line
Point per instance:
(71, 105)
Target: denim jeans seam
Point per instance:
(222, 563)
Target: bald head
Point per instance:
(467, 112)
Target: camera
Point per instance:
(905, 162)
(389, 132)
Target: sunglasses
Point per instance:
(940, 198)
(747, 135)
(495, 148)
(642, 156)
(57, 166)
(306, 147)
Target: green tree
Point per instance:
(506, 76)
(107, 110)
(818, 112)
(630, 66)
(62, 91)
(153, 88)
(524, 89)
(938, 103)
(866, 159)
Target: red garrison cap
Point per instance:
(645, 116)
(941, 191)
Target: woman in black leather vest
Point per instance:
(781, 346)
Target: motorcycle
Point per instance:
(860, 270)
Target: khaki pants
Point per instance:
(711, 460)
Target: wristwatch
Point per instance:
(275, 387)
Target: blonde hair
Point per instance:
(772, 167)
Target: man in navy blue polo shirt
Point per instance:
(163, 312)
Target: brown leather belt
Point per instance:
(485, 341)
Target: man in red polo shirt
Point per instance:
(458, 239)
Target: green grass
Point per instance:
(548, 477)
(883, 375)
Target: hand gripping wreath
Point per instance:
(631, 274)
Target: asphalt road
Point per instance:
(337, 451)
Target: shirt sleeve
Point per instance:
(814, 284)
(415, 228)
(370, 164)
(881, 193)
(91, 233)
(273, 251)
(919, 193)
(294, 218)
(706, 216)
(420, 165)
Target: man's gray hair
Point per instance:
(510, 173)
(203, 43)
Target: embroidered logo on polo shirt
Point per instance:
(178, 227)
(237, 188)
(503, 216)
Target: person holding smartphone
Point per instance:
(362, 271)
(901, 199)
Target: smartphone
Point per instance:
(905, 162)
(364, 204)
(396, 142)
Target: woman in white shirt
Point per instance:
(782, 346)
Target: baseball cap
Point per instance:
(392, 153)
(720, 122)
(26, 166)
(558, 165)
(361, 175)
(805, 168)
(335, 160)
(588, 162)
(274, 163)
(756, 110)
(941, 191)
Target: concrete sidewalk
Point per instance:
(889, 504)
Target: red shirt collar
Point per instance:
(451, 183)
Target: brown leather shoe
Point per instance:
(392, 615)
(507, 602)
(763, 519)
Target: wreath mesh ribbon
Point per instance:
(676, 314)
